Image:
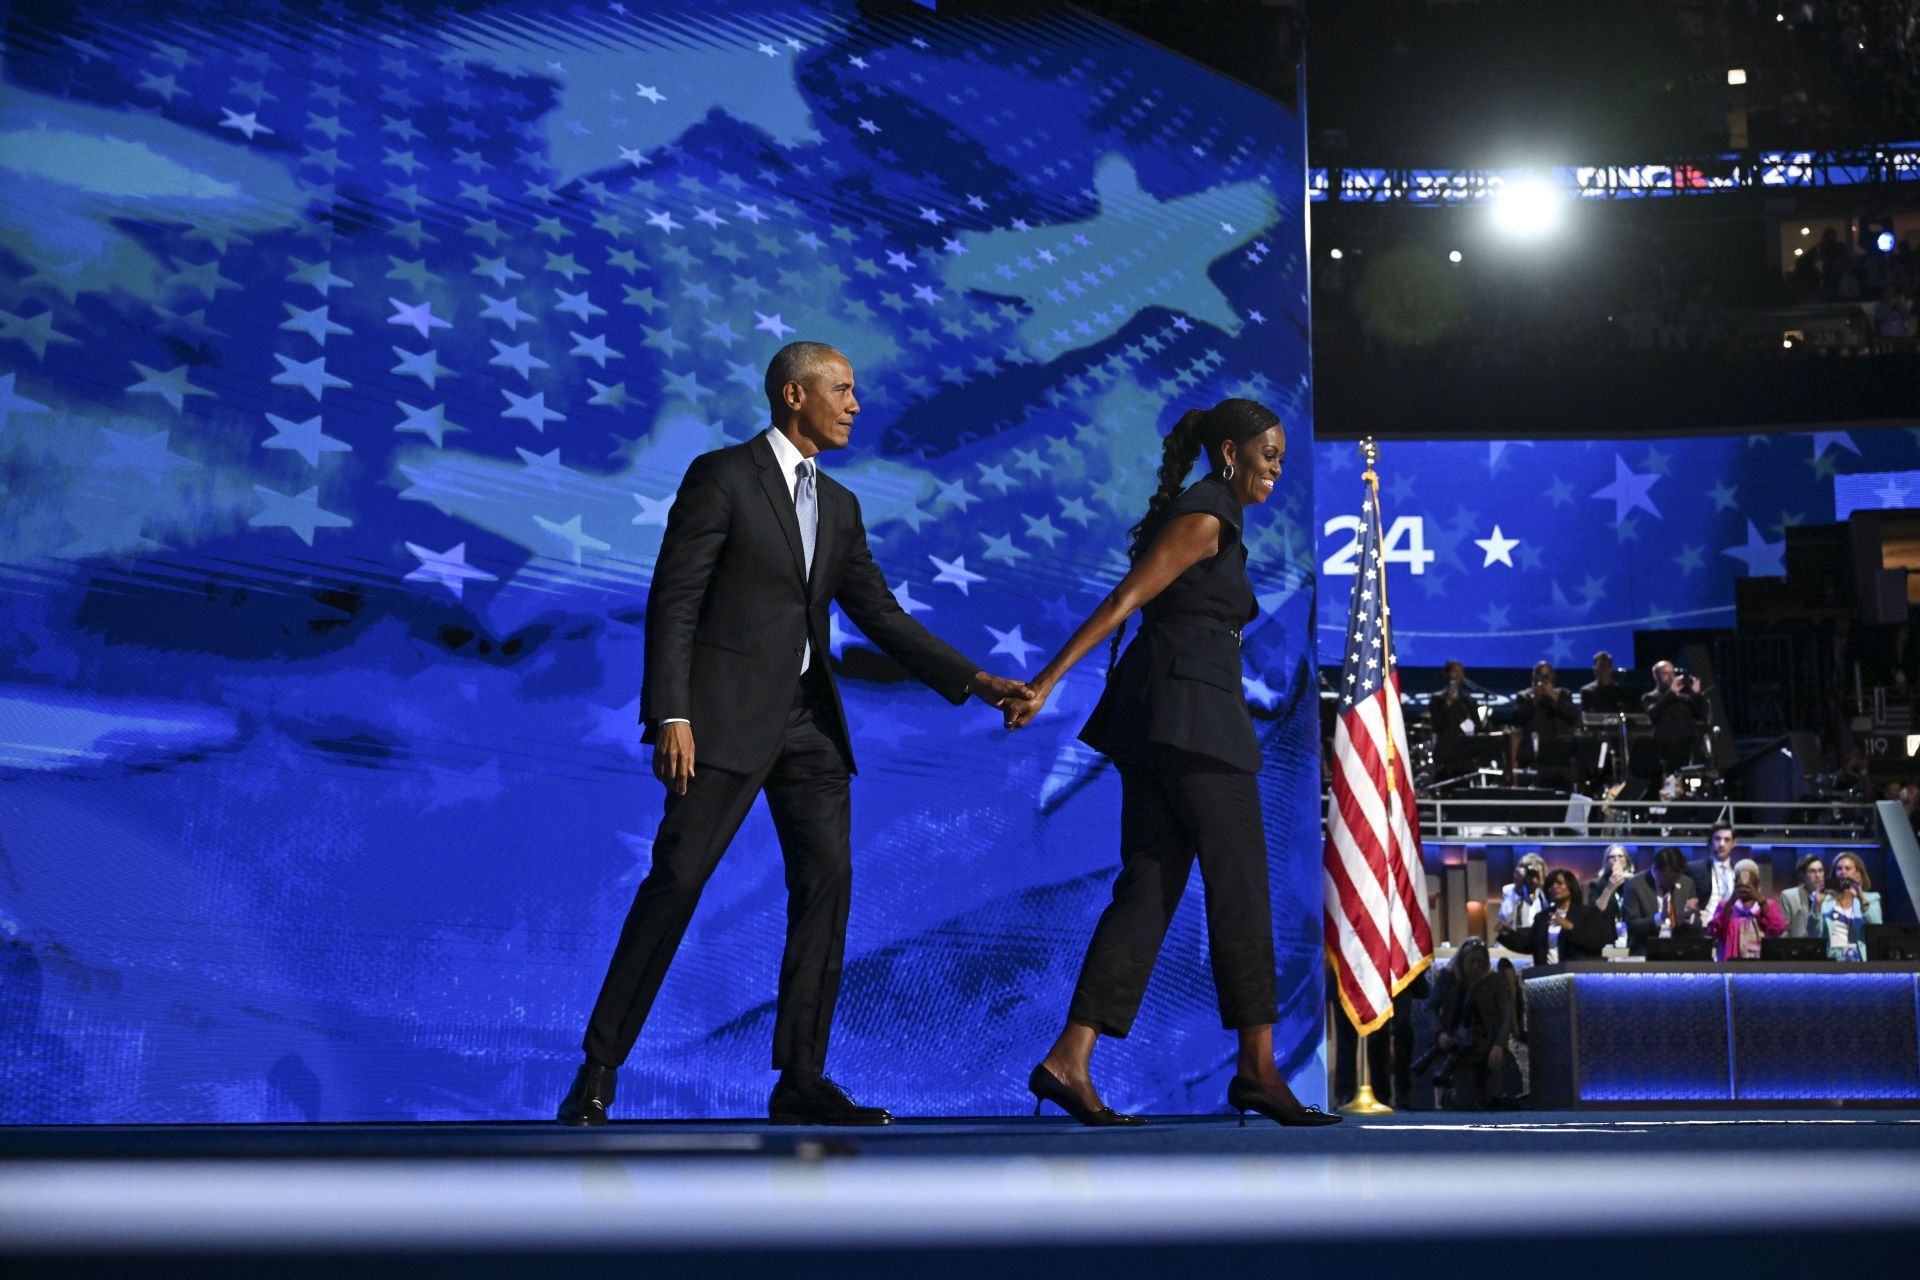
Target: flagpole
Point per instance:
(1364, 1103)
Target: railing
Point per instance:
(1640, 821)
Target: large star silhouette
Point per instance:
(1148, 244)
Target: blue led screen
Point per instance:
(1504, 552)
(349, 359)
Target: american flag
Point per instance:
(1378, 936)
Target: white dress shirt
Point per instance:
(787, 459)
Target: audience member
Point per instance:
(1662, 901)
(1713, 874)
(1568, 927)
(1546, 718)
(1846, 909)
(1520, 902)
(1745, 916)
(1801, 904)
(1607, 890)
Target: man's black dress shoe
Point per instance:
(813, 1099)
(592, 1093)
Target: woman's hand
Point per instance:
(1019, 711)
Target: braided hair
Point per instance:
(1198, 431)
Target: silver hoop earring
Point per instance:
(1226, 472)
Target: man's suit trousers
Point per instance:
(1174, 805)
(806, 786)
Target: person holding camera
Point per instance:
(1520, 902)
(1569, 927)
(1474, 1009)
(1661, 901)
(1745, 916)
(1546, 718)
(1607, 891)
(1846, 909)
(1678, 711)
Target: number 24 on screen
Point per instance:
(1406, 544)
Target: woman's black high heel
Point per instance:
(1046, 1087)
(1244, 1095)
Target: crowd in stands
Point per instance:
(1476, 1005)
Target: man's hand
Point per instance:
(998, 691)
(673, 756)
(1743, 893)
(1693, 905)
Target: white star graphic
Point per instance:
(449, 568)
(1499, 550)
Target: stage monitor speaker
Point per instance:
(1893, 942)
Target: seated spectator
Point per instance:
(1745, 916)
(1474, 1008)
(1661, 901)
(1849, 906)
(1520, 902)
(1801, 904)
(1607, 890)
(1569, 927)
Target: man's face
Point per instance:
(824, 406)
(1603, 669)
(1721, 842)
(1816, 876)
(1667, 877)
(1663, 674)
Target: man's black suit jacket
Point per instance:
(732, 607)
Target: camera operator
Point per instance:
(1520, 902)
(1546, 719)
(1474, 1009)
(1678, 710)
(1661, 901)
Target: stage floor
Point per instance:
(1425, 1191)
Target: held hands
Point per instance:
(673, 756)
(1000, 692)
(1021, 711)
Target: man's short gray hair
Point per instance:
(795, 362)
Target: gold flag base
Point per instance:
(1365, 1104)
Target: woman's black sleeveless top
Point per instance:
(1178, 683)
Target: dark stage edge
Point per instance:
(1419, 1194)
(1403, 1133)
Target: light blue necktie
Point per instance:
(806, 509)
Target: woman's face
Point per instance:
(1256, 463)
(1846, 867)
(1617, 862)
(1748, 879)
(1557, 890)
(1816, 876)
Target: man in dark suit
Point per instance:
(1712, 875)
(758, 545)
(1661, 902)
(1547, 722)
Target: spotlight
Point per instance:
(1806, 231)
(1337, 255)
(1526, 208)
(1453, 255)
(1736, 75)
(1798, 252)
(1884, 242)
(1779, 17)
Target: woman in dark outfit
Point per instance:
(1569, 928)
(1174, 720)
